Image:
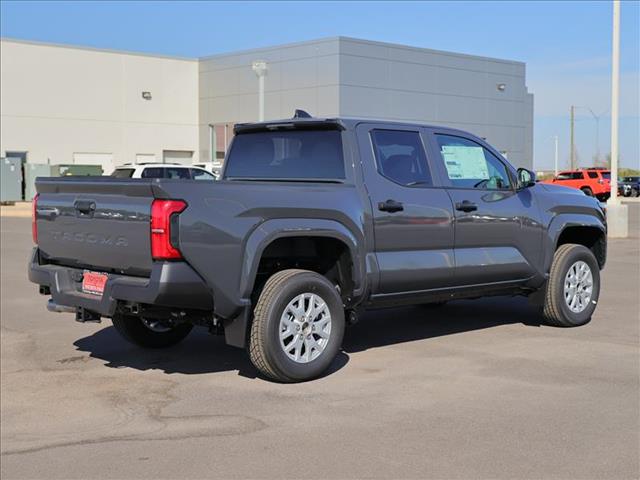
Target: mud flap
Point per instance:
(236, 329)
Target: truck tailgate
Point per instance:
(95, 223)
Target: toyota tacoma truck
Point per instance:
(313, 221)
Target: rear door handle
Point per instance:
(390, 206)
(466, 206)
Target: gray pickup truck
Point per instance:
(312, 221)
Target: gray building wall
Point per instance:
(349, 77)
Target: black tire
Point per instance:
(133, 330)
(556, 312)
(265, 351)
(587, 191)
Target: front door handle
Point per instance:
(466, 206)
(390, 206)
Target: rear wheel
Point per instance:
(149, 333)
(573, 287)
(297, 327)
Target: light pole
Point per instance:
(597, 119)
(615, 100)
(260, 69)
(617, 212)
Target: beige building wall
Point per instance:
(64, 105)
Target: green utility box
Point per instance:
(34, 170)
(75, 169)
(11, 178)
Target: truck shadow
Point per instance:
(201, 353)
(390, 326)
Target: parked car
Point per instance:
(313, 221)
(629, 186)
(162, 170)
(594, 182)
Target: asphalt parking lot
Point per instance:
(476, 389)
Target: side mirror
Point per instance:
(526, 178)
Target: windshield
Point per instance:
(286, 155)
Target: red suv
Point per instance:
(592, 181)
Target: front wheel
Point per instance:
(573, 287)
(297, 327)
(149, 333)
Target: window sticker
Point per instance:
(465, 162)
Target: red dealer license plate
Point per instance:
(94, 282)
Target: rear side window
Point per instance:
(197, 174)
(593, 174)
(174, 172)
(153, 172)
(577, 175)
(123, 173)
(400, 157)
(287, 155)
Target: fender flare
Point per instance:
(277, 228)
(560, 223)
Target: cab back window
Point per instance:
(286, 155)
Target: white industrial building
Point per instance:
(65, 105)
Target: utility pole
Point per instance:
(573, 144)
(556, 157)
(615, 100)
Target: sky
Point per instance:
(566, 45)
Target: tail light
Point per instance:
(164, 216)
(34, 225)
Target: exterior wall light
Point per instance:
(501, 87)
(146, 95)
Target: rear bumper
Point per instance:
(171, 284)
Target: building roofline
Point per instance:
(342, 38)
(267, 48)
(95, 49)
(429, 50)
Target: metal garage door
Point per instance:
(183, 157)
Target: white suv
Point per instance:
(162, 170)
